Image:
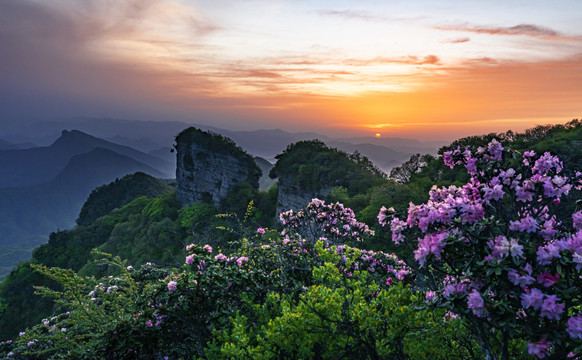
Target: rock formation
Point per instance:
(309, 169)
(209, 166)
(292, 196)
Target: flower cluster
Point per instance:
(375, 262)
(199, 255)
(334, 222)
(501, 236)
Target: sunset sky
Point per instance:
(422, 69)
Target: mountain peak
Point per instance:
(75, 138)
(75, 134)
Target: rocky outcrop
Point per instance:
(293, 197)
(209, 166)
(309, 169)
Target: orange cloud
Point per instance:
(458, 41)
(407, 60)
(476, 98)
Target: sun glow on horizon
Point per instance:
(411, 68)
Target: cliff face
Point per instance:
(209, 166)
(292, 196)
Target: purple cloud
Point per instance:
(517, 30)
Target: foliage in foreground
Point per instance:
(275, 297)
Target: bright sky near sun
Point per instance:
(425, 69)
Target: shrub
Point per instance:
(499, 252)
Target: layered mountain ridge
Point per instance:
(43, 189)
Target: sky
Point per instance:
(431, 70)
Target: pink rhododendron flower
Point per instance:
(448, 159)
(523, 194)
(241, 259)
(476, 303)
(575, 242)
(471, 213)
(577, 219)
(575, 326)
(529, 153)
(551, 309)
(221, 257)
(506, 176)
(495, 149)
(172, 285)
(577, 258)
(449, 316)
(189, 259)
(547, 230)
(317, 202)
(533, 298)
(500, 247)
(545, 254)
(547, 162)
(201, 265)
(541, 349)
(524, 237)
(515, 249)
(383, 214)
(261, 230)
(526, 224)
(397, 226)
(401, 274)
(471, 165)
(333, 221)
(493, 193)
(431, 243)
(521, 280)
(546, 279)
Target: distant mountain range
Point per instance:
(157, 138)
(21, 167)
(6, 145)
